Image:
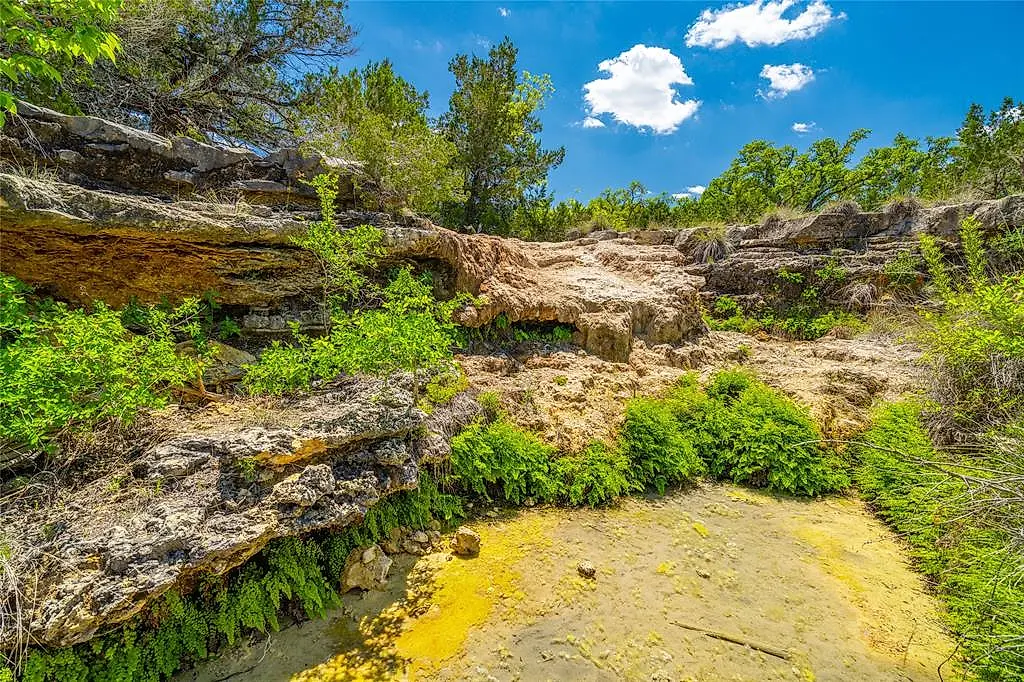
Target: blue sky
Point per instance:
(694, 81)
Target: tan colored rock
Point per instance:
(466, 542)
(366, 568)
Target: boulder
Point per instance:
(366, 569)
(466, 542)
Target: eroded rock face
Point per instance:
(83, 245)
(100, 154)
(208, 499)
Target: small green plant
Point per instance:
(658, 451)
(832, 272)
(443, 388)
(341, 256)
(786, 275)
(560, 380)
(411, 331)
(501, 460)
(248, 468)
(64, 370)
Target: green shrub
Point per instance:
(746, 432)
(64, 369)
(974, 337)
(409, 332)
(973, 563)
(501, 460)
(766, 440)
(659, 453)
(594, 477)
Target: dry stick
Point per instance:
(777, 653)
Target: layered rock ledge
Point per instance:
(213, 493)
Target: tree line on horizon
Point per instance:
(262, 73)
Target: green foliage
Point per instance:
(342, 256)
(903, 272)
(658, 451)
(213, 70)
(501, 332)
(442, 388)
(410, 331)
(975, 338)
(289, 574)
(803, 320)
(502, 460)
(986, 159)
(594, 477)
(377, 118)
(785, 275)
(755, 436)
(492, 120)
(71, 369)
(42, 37)
(973, 564)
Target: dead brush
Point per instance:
(859, 296)
(712, 244)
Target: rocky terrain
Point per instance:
(90, 210)
(97, 220)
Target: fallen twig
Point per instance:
(777, 653)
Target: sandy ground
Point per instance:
(820, 582)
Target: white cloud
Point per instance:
(803, 128)
(640, 90)
(504, 11)
(591, 122)
(759, 23)
(692, 192)
(784, 79)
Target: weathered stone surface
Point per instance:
(466, 542)
(366, 568)
(210, 498)
(83, 245)
(101, 154)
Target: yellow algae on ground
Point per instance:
(464, 591)
(431, 625)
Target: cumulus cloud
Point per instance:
(784, 79)
(692, 192)
(759, 23)
(504, 11)
(591, 122)
(640, 90)
(803, 128)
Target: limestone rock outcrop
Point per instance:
(99, 154)
(208, 497)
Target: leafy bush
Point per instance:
(973, 562)
(410, 331)
(70, 369)
(501, 459)
(975, 338)
(764, 439)
(745, 431)
(594, 477)
(659, 453)
(342, 256)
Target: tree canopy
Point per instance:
(235, 70)
(493, 123)
(376, 117)
(41, 38)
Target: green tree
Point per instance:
(379, 119)
(42, 37)
(492, 121)
(216, 69)
(988, 158)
